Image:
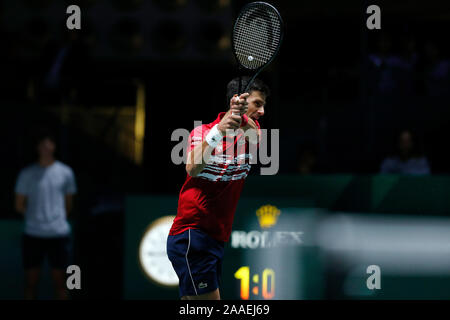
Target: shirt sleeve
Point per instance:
(71, 185)
(196, 137)
(22, 184)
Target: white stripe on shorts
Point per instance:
(187, 262)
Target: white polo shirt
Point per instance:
(45, 189)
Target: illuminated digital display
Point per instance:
(267, 283)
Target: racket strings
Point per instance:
(257, 36)
(255, 40)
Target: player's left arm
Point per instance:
(70, 191)
(252, 131)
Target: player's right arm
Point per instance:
(20, 203)
(199, 156)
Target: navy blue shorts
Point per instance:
(35, 249)
(197, 260)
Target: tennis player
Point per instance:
(217, 165)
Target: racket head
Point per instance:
(257, 35)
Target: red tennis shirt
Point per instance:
(208, 201)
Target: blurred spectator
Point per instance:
(437, 71)
(391, 73)
(44, 192)
(408, 159)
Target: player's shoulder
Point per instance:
(208, 126)
(63, 167)
(201, 130)
(27, 170)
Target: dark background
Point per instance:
(326, 94)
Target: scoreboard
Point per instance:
(271, 249)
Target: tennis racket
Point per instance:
(256, 38)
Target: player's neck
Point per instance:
(46, 161)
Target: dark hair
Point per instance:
(256, 85)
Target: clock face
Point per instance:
(153, 255)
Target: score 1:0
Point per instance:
(243, 274)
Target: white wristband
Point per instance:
(214, 136)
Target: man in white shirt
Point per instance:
(44, 195)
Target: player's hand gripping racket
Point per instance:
(256, 38)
